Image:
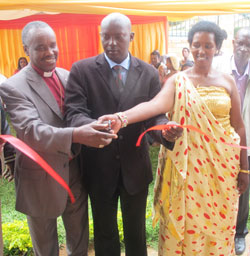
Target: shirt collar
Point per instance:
(43, 73)
(234, 68)
(125, 64)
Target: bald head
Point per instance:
(244, 30)
(116, 36)
(116, 18)
(241, 47)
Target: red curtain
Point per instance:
(78, 37)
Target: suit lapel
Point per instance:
(62, 77)
(42, 90)
(131, 81)
(106, 73)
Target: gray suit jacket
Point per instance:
(38, 122)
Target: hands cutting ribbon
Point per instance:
(25, 149)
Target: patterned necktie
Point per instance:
(118, 77)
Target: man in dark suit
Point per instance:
(34, 98)
(95, 88)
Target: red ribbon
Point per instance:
(168, 126)
(25, 149)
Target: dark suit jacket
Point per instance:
(37, 120)
(91, 92)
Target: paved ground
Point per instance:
(247, 252)
(152, 252)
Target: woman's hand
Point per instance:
(115, 122)
(243, 180)
(172, 133)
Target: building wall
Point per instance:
(226, 22)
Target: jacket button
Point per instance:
(120, 137)
(117, 156)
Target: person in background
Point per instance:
(34, 100)
(171, 68)
(112, 82)
(163, 59)
(163, 71)
(187, 65)
(172, 64)
(185, 54)
(8, 154)
(219, 51)
(155, 58)
(22, 62)
(238, 65)
(7, 161)
(198, 184)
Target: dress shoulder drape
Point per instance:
(196, 197)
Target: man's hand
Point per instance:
(8, 173)
(243, 180)
(115, 121)
(173, 133)
(93, 135)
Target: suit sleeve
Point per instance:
(9, 151)
(76, 102)
(30, 128)
(155, 88)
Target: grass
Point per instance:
(9, 214)
(7, 195)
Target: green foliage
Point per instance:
(16, 238)
(152, 233)
(7, 195)
(17, 234)
(119, 223)
(61, 232)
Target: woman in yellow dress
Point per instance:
(198, 183)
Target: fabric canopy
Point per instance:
(78, 38)
(173, 9)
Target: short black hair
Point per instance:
(185, 48)
(187, 64)
(210, 27)
(156, 52)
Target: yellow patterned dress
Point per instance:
(196, 197)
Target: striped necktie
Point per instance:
(118, 77)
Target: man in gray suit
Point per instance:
(34, 98)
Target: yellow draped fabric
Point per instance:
(173, 9)
(196, 197)
(78, 38)
(10, 50)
